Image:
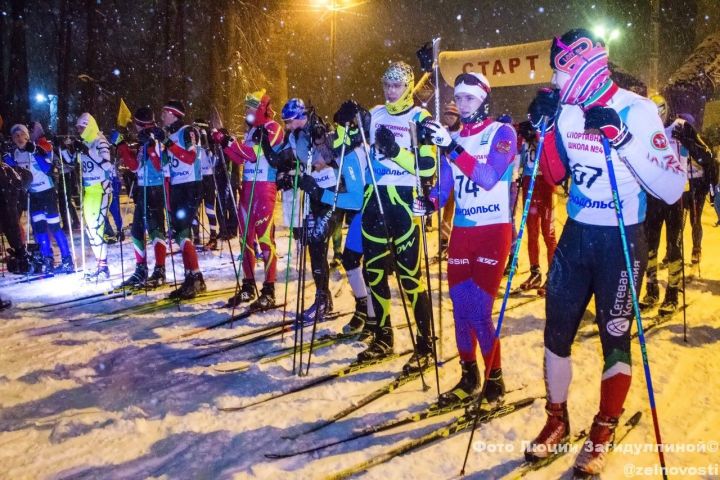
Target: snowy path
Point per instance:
(125, 398)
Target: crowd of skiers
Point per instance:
(381, 172)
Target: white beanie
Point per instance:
(21, 127)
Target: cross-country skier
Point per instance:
(149, 213)
(209, 184)
(541, 217)
(36, 158)
(393, 165)
(258, 181)
(185, 192)
(476, 170)
(589, 259)
(13, 183)
(92, 151)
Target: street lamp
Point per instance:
(606, 35)
(53, 104)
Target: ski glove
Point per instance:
(310, 186)
(439, 135)
(423, 206)
(80, 147)
(346, 113)
(684, 133)
(30, 147)
(258, 134)
(545, 104)
(221, 137)
(385, 142)
(608, 122)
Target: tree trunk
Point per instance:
(18, 88)
(180, 81)
(63, 62)
(89, 91)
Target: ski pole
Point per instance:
(682, 267)
(436, 82)
(391, 248)
(290, 239)
(243, 244)
(67, 208)
(221, 208)
(506, 296)
(82, 212)
(636, 305)
(168, 222)
(414, 140)
(329, 234)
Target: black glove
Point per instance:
(424, 134)
(258, 134)
(423, 206)
(608, 122)
(30, 147)
(385, 142)
(425, 56)
(143, 136)
(318, 133)
(684, 133)
(158, 133)
(284, 181)
(80, 146)
(545, 104)
(310, 186)
(346, 113)
(527, 131)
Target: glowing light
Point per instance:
(40, 98)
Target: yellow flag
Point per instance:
(124, 116)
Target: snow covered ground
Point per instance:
(126, 399)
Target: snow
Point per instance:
(125, 398)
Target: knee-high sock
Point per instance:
(558, 374)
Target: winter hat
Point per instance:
(19, 127)
(451, 109)
(294, 109)
(89, 127)
(400, 72)
(584, 58)
(144, 117)
(472, 83)
(176, 107)
(662, 106)
(260, 101)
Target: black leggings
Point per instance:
(404, 230)
(658, 212)
(589, 261)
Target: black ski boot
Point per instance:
(101, 273)
(357, 322)
(494, 388)
(138, 278)
(48, 266)
(467, 387)
(652, 295)
(191, 286)
(323, 305)
(534, 280)
(246, 294)
(421, 358)
(367, 334)
(212, 243)
(670, 303)
(381, 345)
(66, 265)
(266, 299)
(157, 278)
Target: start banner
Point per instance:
(512, 65)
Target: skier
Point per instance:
(13, 182)
(210, 195)
(451, 121)
(589, 259)
(149, 213)
(258, 181)
(393, 165)
(92, 151)
(291, 158)
(702, 175)
(363, 320)
(43, 212)
(476, 169)
(541, 216)
(658, 212)
(110, 235)
(185, 192)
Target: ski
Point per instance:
(573, 445)
(155, 306)
(457, 425)
(434, 410)
(342, 372)
(390, 387)
(264, 333)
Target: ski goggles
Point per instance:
(472, 80)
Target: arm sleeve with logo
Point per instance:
(649, 156)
